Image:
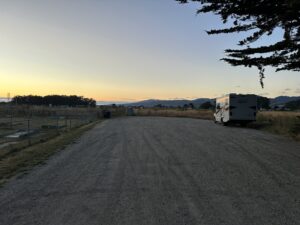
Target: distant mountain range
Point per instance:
(280, 100)
(169, 103)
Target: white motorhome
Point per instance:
(236, 108)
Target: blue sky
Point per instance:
(122, 51)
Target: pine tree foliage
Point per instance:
(259, 18)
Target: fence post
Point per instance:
(66, 124)
(28, 132)
(57, 121)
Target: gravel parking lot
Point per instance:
(161, 171)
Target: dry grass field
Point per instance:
(278, 122)
(283, 123)
(190, 113)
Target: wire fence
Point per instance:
(23, 126)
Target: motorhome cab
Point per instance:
(236, 108)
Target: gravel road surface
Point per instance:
(161, 171)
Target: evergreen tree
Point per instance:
(293, 105)
(206, 105)
(263, 102)
(260, 18)
(55, 100)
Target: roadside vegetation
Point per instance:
(286, 123)
(23, 157)
(205, 114)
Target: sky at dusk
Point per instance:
(122, 51)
